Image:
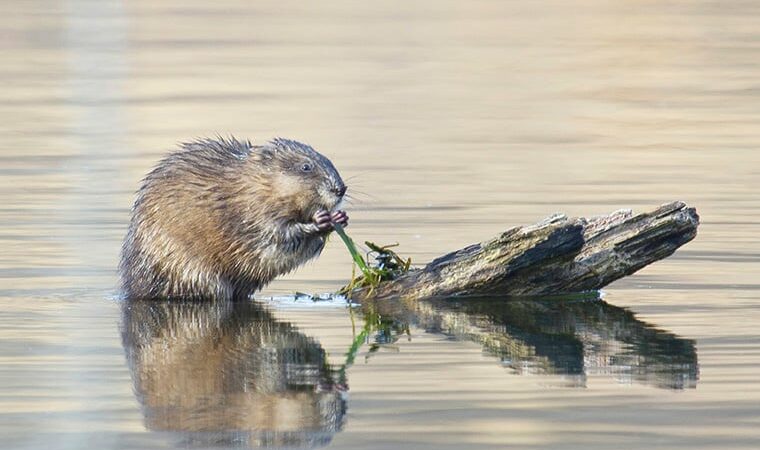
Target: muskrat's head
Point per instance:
(301, 176)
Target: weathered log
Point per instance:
(556, 256)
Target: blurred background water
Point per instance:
(456, 120)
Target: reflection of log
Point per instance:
(558, 255)
(221, 371)
(572, 336)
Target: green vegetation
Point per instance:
(378, 331)
(388, 264)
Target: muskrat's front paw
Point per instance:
(339, 217)
(322, 220)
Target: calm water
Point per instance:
(457, 120)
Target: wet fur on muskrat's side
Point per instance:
(220, 218)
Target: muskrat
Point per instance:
(220, 218)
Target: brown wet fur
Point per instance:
(220, 218)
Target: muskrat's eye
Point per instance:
(305, 167)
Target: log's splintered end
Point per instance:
(554, 256)
(689, 216)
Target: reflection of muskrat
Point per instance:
(220, 218)
(227, 371)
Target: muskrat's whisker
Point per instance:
(356, 200)
(365, 194)
(350, 201)
(356, 175)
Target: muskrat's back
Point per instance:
(220, 218)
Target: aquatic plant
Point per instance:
(387, 266)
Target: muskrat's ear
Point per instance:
(262, 153)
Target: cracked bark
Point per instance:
(555, 256)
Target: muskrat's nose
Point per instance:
(340, 190)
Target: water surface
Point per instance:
(453, 121)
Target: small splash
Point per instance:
(303, 300)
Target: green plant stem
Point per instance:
(358, 259)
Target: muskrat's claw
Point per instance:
(322, 220)
(340, 217)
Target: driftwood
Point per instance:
(556, 256)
